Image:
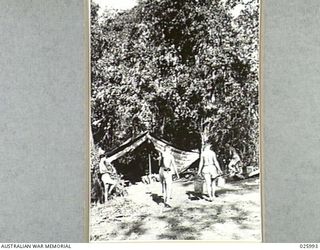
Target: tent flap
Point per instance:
(183, 159)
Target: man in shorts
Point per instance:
(108, 173)
(166, 171)
(210, 169)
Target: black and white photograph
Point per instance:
(175, 121)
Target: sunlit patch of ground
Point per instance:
(234, 215)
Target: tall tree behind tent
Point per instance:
(188, 68)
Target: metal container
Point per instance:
(221, 181)
(198, 184)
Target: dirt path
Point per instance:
(234, 215)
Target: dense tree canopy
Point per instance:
(184, 70)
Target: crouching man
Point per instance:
(234, 166)
(108, 176)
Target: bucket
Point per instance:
(221, 181)
(198, 185)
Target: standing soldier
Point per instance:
(166, 170)
(210, 168)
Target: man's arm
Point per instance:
(175, 167)
(216, 163)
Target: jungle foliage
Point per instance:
(185, 70)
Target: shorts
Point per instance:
(165, 175)
(106, 179)
(210, 170)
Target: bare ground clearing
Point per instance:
(141, 216)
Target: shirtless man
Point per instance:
(210, 168)
(166, 170)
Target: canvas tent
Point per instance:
(183, 159)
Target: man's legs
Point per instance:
(169, 187)
(164, 191)
(163, 188)
(111, 187)
(214, 187)
(106, 187)
(207, 178)
(162, 184)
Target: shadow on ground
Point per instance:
(232, 216)
(157, 198)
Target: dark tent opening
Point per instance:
(137, 163)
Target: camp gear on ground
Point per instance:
(198, 184)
